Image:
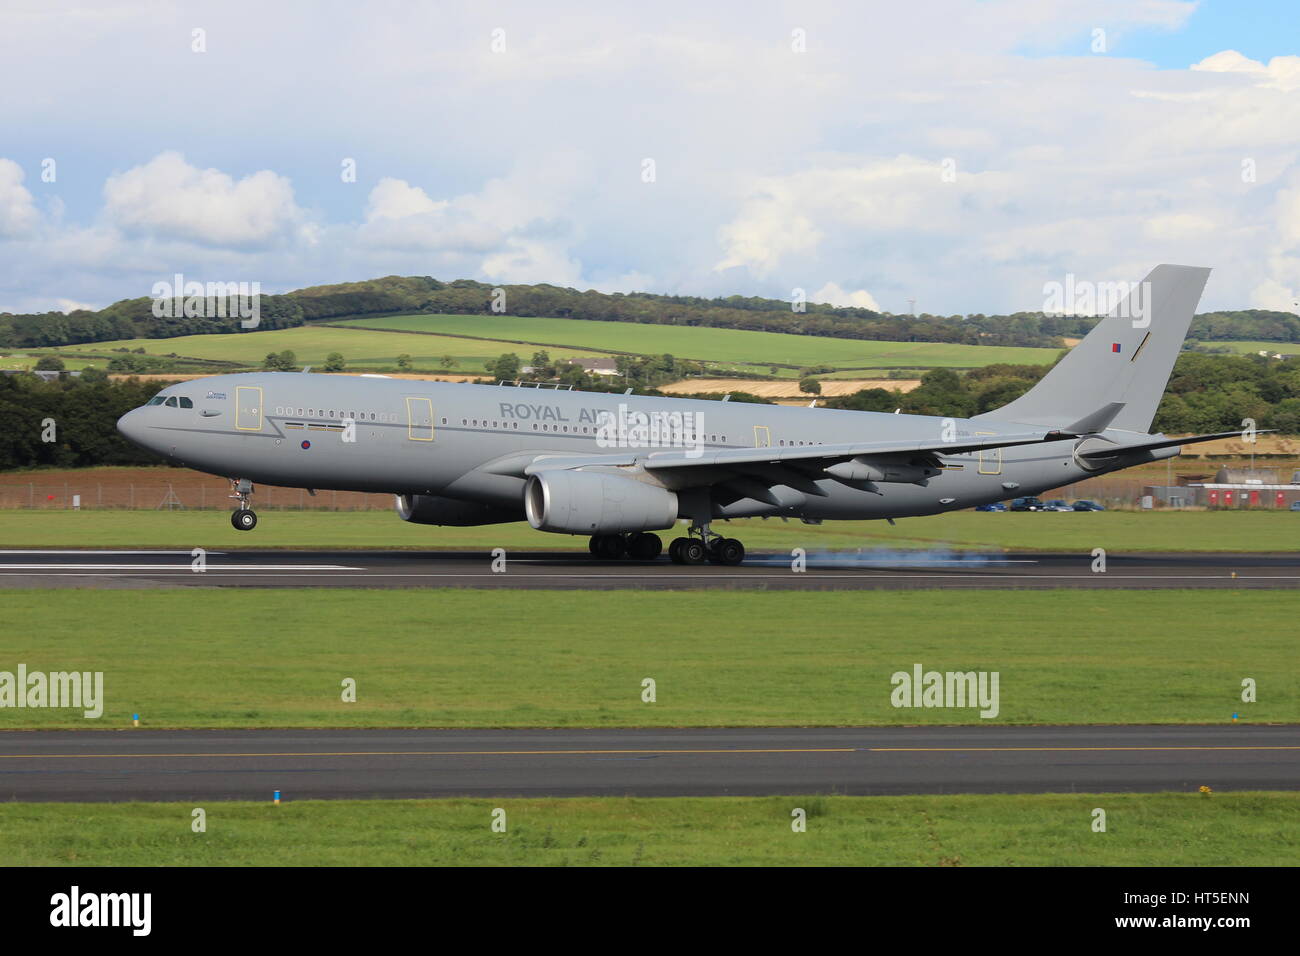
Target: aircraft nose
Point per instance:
(131, 426)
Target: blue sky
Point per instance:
(963, 153)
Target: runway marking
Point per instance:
(174, 568)
(1066, 749)
(457, 753)
(553, 753)
(53, 551)
(234, 571)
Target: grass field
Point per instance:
(716, 345)
(311, 344)
(1255, 829)
(1117, 531)
(1250, 348)
(451, 658)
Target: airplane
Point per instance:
(617, 468)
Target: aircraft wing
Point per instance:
(749, 472)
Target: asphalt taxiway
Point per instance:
(825, 570)
(336, 764)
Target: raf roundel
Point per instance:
(306, 444)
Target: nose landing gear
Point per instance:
(244, 518)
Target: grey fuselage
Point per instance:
(470, 442)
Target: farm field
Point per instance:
(1250, 348)
(311, 344)
(193, 658)
(1182, 829)
(734, 346)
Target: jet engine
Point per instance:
(435, 509)
(591, 502)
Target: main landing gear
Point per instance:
(641, 546)
(244, 518)
(701, 546)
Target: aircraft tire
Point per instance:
(729, 552)
(611, 547)
(244, 519)
(692, 551)
(644, 546)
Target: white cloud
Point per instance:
(1281, 72)
(397, 199)
(832, 294)
(18, 214)
(170, 198)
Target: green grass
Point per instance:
(459, 658)
(1250, 348)
(1117, 531)
(311, 344)
(716, 345)
(1238, 829)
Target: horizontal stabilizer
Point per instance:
(1097, 421)
(1116, 451)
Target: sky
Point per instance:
(954, 154)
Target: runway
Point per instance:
(357, 764)
(839, 570)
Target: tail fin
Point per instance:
(1126, 359)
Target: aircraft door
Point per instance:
(419, 418)
(762, 436)
(248, 408)
(990, 459)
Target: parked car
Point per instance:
(1057, 504)
(1295, 505)
(999, 506)
(1029, 503)
(1083, 504)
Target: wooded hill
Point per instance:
(134, 318)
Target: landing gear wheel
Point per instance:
(728, 551)
(691, 551)
(644, 546)
(245, 519)
(610, 546)
(675, 550)
(591, 545)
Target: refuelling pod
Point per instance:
(592, 502)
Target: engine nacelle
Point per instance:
(435, 509)
(592, 502)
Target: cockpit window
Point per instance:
(156, 400)
(171, 402)
(186, 403)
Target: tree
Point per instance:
(49, 363)
(505, 368)
(448, 362)
(284, 361)
(334, 362)
(404, 362)
(810, 385)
